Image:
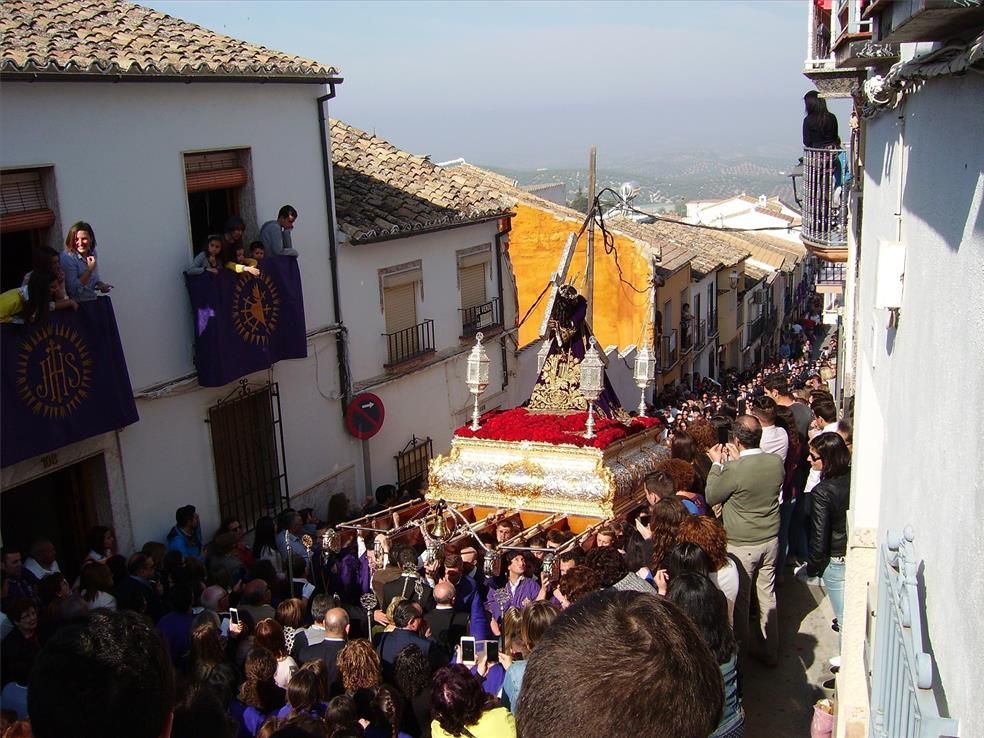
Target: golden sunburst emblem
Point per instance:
(256, 309)
(54, 371)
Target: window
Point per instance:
(248, 451)
(406, 338)
(412, 463)
(26, 220)
(219, 186)
(477, 311)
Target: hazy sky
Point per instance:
(534, 84)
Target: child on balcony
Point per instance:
(238, 262)
(208, 260)
(32, 302)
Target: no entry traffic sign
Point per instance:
(364, 416)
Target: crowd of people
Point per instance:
(646, 628)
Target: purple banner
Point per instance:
(245, 323)
(63, 380)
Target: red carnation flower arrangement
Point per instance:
(518, 424)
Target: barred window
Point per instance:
(412, 463)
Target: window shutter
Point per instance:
(216, 170)
(472, 280)
(22, 203)
(400, 305)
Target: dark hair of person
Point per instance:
(258, 688)
(683, 473)
(846, 427)
(411, 671)
(49, 586)
(558, 537)
(405, 612)
(264, 534)
(234, 222)
(777, 383)
(200, 712)
(683, 447)
(16, 607)
(578, 582)
(719, 422)
(764, 408)
(287, 211)
(575, 554)
(96, 578)
(206, 646)
(302, 726)
(660, 483)
(709, 534)
(41, 256)
(667, 684)
(386, 710)
(290, 613)
(684, 557)
(341, 712)
(35, 308)
(304, 690)
(73, 231)
(537, 617)
(406, 558)
(269, 634)
(108, 678)
(707, 608)
(832, 450)
(747, 430)
(95, 539)
(458, 699)
(638, 552)
(608, 563)
(825, 410)
(664, 520)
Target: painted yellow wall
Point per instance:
(535, 245)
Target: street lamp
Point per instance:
(478, 374)
(644, 374)
(734, 278)
(592, 378)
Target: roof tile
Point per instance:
(106, 38)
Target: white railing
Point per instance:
(818, 37)
(902, 701)
(825, 197)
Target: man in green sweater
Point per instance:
(748, 483)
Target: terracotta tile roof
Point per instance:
(103, 39)
(382, 192)
(773, 250)
(706, 250)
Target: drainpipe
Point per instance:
(341, 347)
(500, 234)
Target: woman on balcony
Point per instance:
(78, 261)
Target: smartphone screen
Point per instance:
(468, 650)
(492, 651)
(234, 615)
(723, 434)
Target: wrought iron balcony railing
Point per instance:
(754, 331)
(701, 337)
(668, 354)
(712, 324)
(409, 343)
(687, 334)
(824, 199)
(831, 273)
(480, 318)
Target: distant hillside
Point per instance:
(676, 178)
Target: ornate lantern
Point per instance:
(644, 374)
(478, 374)
(592, 382)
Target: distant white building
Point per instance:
(745, 211)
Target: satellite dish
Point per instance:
(628, 191)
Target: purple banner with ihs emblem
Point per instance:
(64, 380)
(245, 323)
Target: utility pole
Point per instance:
(589, 267)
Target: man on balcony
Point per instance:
(276, 234)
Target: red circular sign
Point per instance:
(364, 416)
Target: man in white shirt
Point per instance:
(775, 440)
(41, 562)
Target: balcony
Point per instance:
(824, 231)
(712, 324)
(480, 318)
(667, 350)
(409, 343)
(64, 380)
(701, 337)
(686, 335)
(754, 331)
(831, 277)
(839, 47)
(926, 20)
